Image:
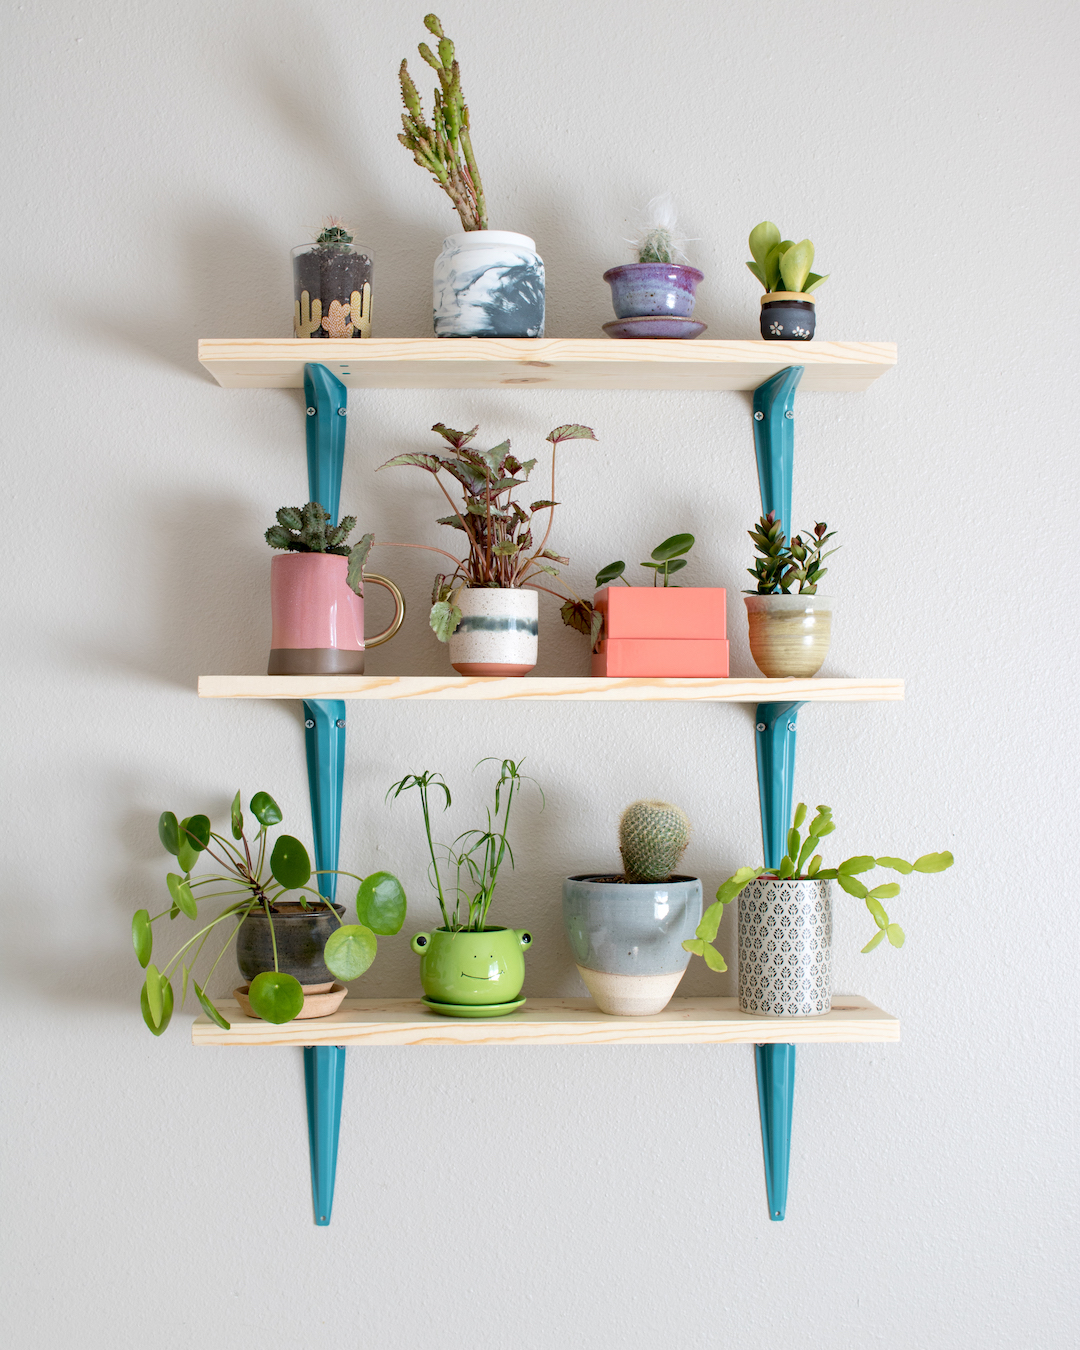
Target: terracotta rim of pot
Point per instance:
(683, 267)
(803, 296)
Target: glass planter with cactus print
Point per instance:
(332, 286)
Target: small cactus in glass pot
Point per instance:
(332, 285)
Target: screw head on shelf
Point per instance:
(340, 722)
(761, 726)
(791, 726)
(341, 412)
(311, 412)
(759, 417)
(309, 722)
(789, 415)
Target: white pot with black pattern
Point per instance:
(785, 948)
(489, 283)
(497, 634)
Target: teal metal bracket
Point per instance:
(774, 734)
(774, 441)
(324, 739)
(775, 1089)
(326, 400)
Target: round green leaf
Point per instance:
(208, 1008)
(349, 951)
(168, 831)
(380, 903)
(196, 831)
(612, 572)
(676, 566)
(275, 997)
(142, 936)
(290, 863)
(186, 854)
(236, 817)
(182, 896)
(152, 990)
(265, 810)
(671, 548)
(165, 993)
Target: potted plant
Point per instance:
(654, 296)
(789, 633)
(317, 595)
(783, 268)
(291, 943)
(488, 283)
(468, 968)
(785, 920)
(662, 629)
(486, 608)
(627, 930)
(332, 285)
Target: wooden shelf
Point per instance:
(557, 363)
(583, 690)
(554, 1021)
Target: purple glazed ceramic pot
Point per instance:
(639, 289)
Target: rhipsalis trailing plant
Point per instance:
(652, 839)
(666, 558)
(781, 264)
(780, 565)
(660, 241)
(444, 148)
(475, 857)
(307, 529)
(503, 551)
(802, 862)
(241, 877)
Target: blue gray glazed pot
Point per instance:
(640, 289)
(300, 935)
(787, 316)
(489, 283)
(627, 939)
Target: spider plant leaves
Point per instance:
(763, 239)
(181, 894)
(162, 997)
(236, 817)
(572, 431)
(142, 936)
(349, 951)
(610, 573)
(933, 862)
(444, 619)
(795, 264)
(289, 862)
(380, 903)
(673, 547)
(265, 810)
(208, 1008)
(275, 996)
(169, 832)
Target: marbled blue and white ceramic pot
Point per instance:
(642, 289)
(785, 948)
(497, 634)
(627, 939)
(787, 316)
(489, 283)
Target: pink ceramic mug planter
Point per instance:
(318, 618)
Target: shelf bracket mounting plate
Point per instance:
(326, 400)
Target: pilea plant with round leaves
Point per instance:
(665, 559)
(802, 862)
(242, 878)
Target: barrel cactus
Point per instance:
(652, 839)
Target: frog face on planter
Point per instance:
(472, 968)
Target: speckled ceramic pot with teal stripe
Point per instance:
(497, 634)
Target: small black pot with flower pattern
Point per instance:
(787, 316)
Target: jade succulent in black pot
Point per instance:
(783, 268)
(332, 285)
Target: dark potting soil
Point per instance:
(328, 273)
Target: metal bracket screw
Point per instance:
(341, 412)
(311, 412)
(790, 726)
(309, 722)
(759, 417)
(340, 722)
(790, 416)
(761, 726)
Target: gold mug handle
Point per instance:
(399, 611)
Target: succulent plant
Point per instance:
(334, 231)
(781, 565)
(445, 148)
(665, 559)
(660, 241)
(652, 838)
(781, 264)
(307, 529)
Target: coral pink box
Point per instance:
(674, 657)
(696, 612)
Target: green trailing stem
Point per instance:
(781, 264)
(652, 839)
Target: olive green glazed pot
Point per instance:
(472, 968)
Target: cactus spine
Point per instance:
(652, 838)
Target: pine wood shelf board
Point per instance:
(554, 1021)
(587, 689)
(554, 363)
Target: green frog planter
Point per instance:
(472, 974)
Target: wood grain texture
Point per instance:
(582, 690)
(553, 363)
(554, 1021)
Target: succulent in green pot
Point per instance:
(783, 268)
(469, 968)
(627, 929)
(790, 629)
(292, 943)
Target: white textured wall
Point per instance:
(160, 161)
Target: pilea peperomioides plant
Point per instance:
(781, 264)
(665, 559)
(307, 529)
(780, 565)
(802, 862)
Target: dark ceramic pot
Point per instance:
(787, 316)
(639, 289)
(301, 936)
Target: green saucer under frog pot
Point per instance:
(473, 1009)
(485, 969)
